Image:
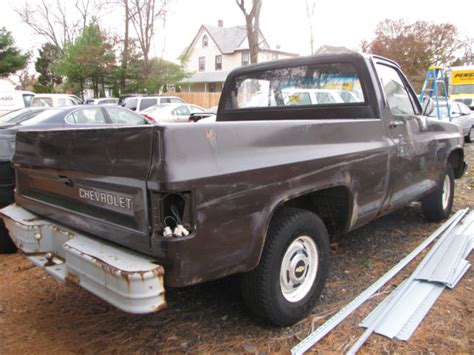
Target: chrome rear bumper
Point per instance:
(128, 280)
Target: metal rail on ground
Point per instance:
(330, 324)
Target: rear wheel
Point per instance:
(437, 205)
(293, 268)
(6, 244)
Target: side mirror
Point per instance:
(428, 106)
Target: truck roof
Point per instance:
(312, 59)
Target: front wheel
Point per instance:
(293, 268)
(438, 204)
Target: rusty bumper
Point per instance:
(130, 281)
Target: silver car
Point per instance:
(461, 115)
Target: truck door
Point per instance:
(412, 172)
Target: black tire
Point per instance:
(432, 205)
(6, 244)
(467, 139)
(261, 288)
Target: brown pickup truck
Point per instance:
(303, 150)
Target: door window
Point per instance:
(86, 116)
(398, 97)
(181, 111)
(121, 116)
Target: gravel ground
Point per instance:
(38, 314)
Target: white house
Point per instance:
(215, 51)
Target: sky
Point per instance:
(283, 22)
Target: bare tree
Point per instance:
(252, 20)
(143, 15)
(310, 13)
(57, 22)
(125, 48)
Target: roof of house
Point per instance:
(227, 39)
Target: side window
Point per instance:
(182, 110)
(298, 98)
(397, 95)
(147, 103)
(131, 103)
(165, 100)
(175, 100)
(87, 116)
(42, 102)
(27, 99)
(121, 116)
(324, 98)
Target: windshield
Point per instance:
(18, 116)
(463, 89)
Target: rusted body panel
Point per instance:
(237, 173)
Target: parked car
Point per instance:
(460, 116)
(302, 96)
(465, 111)
(14, 100)
(18, 116)
(127, 213)
(102, 101)
(171, 112)
(54, 100)
(143, 102)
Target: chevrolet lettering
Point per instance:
(106, 198)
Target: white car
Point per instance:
(54, 100)
(460, 116)
(311, 97)
(140, 103)
(171, 112)
(102, 101)
(14, 100)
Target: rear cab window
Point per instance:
(311, 85)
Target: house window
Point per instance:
(202, 63)
(245, 58)
(205, 41)
(212, 87)
(274, 56)
(218, 62)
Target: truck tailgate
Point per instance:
(90, 179)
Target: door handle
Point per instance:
(394, 124)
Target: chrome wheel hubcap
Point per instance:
(446, 192)
(299, 268)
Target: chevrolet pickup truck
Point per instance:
(127, 212)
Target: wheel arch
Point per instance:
(456, 159)
(333, 204)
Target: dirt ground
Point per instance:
(40, 315)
